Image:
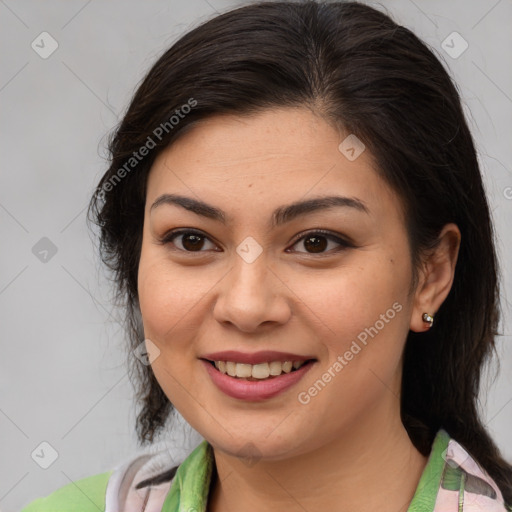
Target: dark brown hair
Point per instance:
(358, 69)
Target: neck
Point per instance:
(353, 472)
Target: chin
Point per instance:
(252, 446)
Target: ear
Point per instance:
(435, 277)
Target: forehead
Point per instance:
(272, 157)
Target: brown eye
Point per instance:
(192, 242)
(316, 242)
(188, 241)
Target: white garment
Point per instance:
(122, 495)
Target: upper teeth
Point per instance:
(257, 371)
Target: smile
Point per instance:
(255, 382)
(259, 371)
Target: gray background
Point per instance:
(62, 374)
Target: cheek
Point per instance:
(355, 297)
(171, 296)
(365, 307)
(163, 297)
(367, 319)
(166, 300)
(156, 301)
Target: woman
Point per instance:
(295, 217)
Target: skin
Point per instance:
(316, 456)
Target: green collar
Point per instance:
(424, 498)
(191, 484)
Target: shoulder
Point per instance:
(466, 481)
(87, 494)
(145, 478)
(453, 480)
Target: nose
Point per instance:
(252, 295)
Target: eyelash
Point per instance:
(345, 244)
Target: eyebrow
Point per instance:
(280, 215)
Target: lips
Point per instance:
(256, 389)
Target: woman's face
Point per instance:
(256, 278)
